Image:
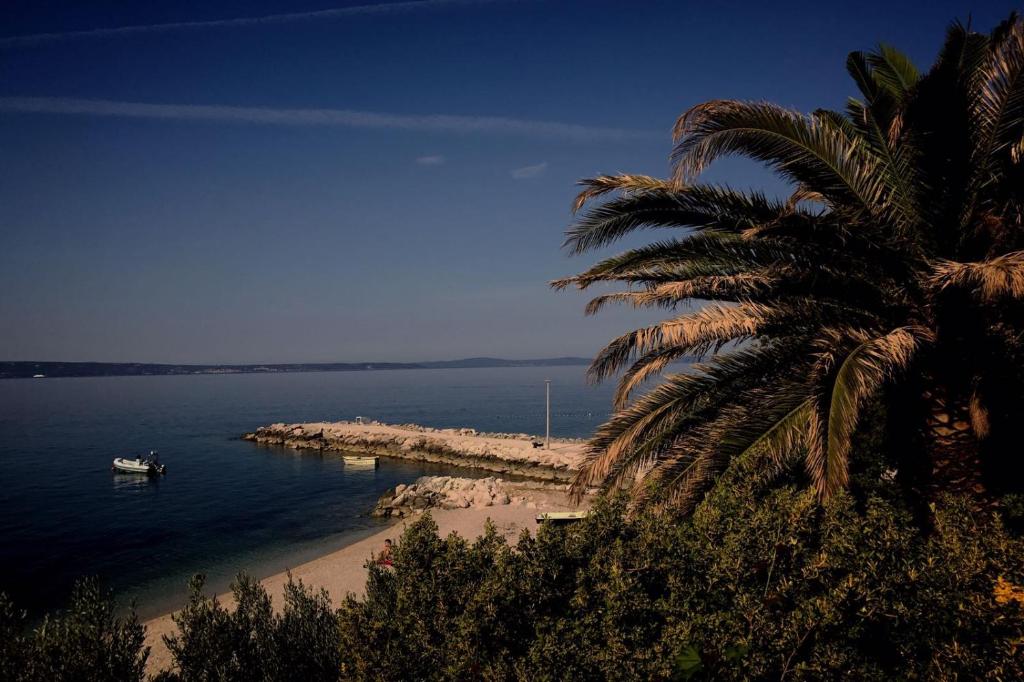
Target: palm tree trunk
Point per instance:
(951, 447)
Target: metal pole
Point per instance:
(547, 433)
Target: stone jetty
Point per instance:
(504, 453)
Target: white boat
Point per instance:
(562, 517)
(361, 461)
(140, 465)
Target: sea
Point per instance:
(225, 505)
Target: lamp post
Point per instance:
(547, 432)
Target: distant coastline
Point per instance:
(45, 369)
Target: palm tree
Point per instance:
(892, 275)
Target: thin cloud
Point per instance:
(335, 13)
(433, 160)
(445, 123)
(529, 171)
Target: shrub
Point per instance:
(756, 584)
(251, 642)
(751, 586)
(84, 642)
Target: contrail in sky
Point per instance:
(339, 12)
(345, 118)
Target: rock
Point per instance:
(445, 492)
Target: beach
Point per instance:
(343, 571)
(458, 505)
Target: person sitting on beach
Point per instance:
(384, 558)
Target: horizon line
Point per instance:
(283, 364)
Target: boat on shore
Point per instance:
(361, 461)
(562, 517)
(149, 465)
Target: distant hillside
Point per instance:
(498, 362)
(23, 370)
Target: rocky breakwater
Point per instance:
(509, 454)
(446, 492)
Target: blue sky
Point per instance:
(352, 182)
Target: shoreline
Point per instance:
(342, 571)
(160, 597)
(509, 454)
(512, 509)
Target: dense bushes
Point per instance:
(86, 642)
(252, 642)
(754, 585)
(749, 588)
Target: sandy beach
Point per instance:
(343, 571)
(511, 506)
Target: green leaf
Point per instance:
(688, 663)
(736, 652)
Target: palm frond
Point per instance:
(991, 279)
(681, 401)
(614, 456)
(760, 433)
(643, 369)
(800, 148)
(997, 111)
(858, 376)
(696, 333)
(881, 133)
(724, 254)
(686, 475)
(744, 285)
(623, 182)
(978, 413)
(697, 207)
(893, 71)
(797, 197)
(651, 275)
(783, 439)
(860, 69)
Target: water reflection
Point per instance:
(133, 482)
(360, 474)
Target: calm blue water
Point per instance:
(225, 505)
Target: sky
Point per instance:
(299, 181)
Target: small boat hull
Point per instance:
(361, 461)
(562, 517)
(138, 466)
